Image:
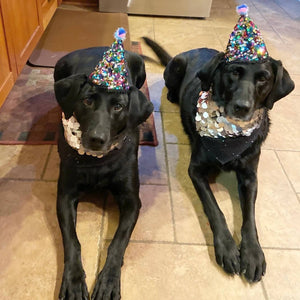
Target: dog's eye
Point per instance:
(118, 107)
(88, 101)
(261, 79)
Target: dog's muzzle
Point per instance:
(73, 134)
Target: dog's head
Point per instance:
(244, 87)
(103, 115)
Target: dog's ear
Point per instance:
(206, 73)
(283, 84)
(140, 108)
(67, 92)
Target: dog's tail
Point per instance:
(161, 53)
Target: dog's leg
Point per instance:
(107, 286)
(73, 282)
(226, 251)
(253, 263)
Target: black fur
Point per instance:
(241, 88)
(105, 117)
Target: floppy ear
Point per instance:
(283, 84)
(67, 91)
(140, 108)
(206, 73)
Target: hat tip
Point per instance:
(120, 34)
(242, 10)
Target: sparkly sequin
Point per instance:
(73, 134)
(211, 121)
(111, 72)
(245, 42)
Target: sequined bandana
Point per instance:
(111, 72)
(245, 43)
(73, 134)
(211, 121)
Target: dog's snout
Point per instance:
(241, 109)
(97, 141)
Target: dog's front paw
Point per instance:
(227, 254)
(73, 284)
(253, 264)
(107, 287)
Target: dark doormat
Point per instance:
(71, 30)
(30, 115)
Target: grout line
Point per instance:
(264, 290)
(288, 178)
(283, 150)
(46, 162)
(197, 244)
(168, 177)
(165, 243)
(281, 248)
(27, 179)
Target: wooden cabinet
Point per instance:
(7, 71)
(23, 28)
(48, 9)
(22, 23)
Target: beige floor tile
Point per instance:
(285, 129)
(277, 206)
(26, 162)
(166, 105)
(31, 248)
(156, 85)
(282, 277)
(291, 164)
(191, 224)
(177, 35)
(174, 132)
(176, 272)
(152, 165)
(296, 79)
(155, 219)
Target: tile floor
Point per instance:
(170, 255)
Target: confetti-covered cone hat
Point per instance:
(111, 71)
(245, 43)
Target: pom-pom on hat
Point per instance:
(111, 72)
(245, 43)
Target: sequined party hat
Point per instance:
(111, 71)
(245, 43)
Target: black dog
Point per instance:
(109, 123)
(241, 88)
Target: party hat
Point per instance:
(111, 71)
(245, 43)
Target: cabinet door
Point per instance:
(48, 9)
(23, 24)
(7, 72)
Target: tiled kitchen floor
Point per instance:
(170, 255)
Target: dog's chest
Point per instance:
(94, 177)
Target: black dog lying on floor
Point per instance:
(109, 122)
(242, 89)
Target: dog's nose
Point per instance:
(241, 109)
(97, 141)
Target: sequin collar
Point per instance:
(211, 121)
(73, 134)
